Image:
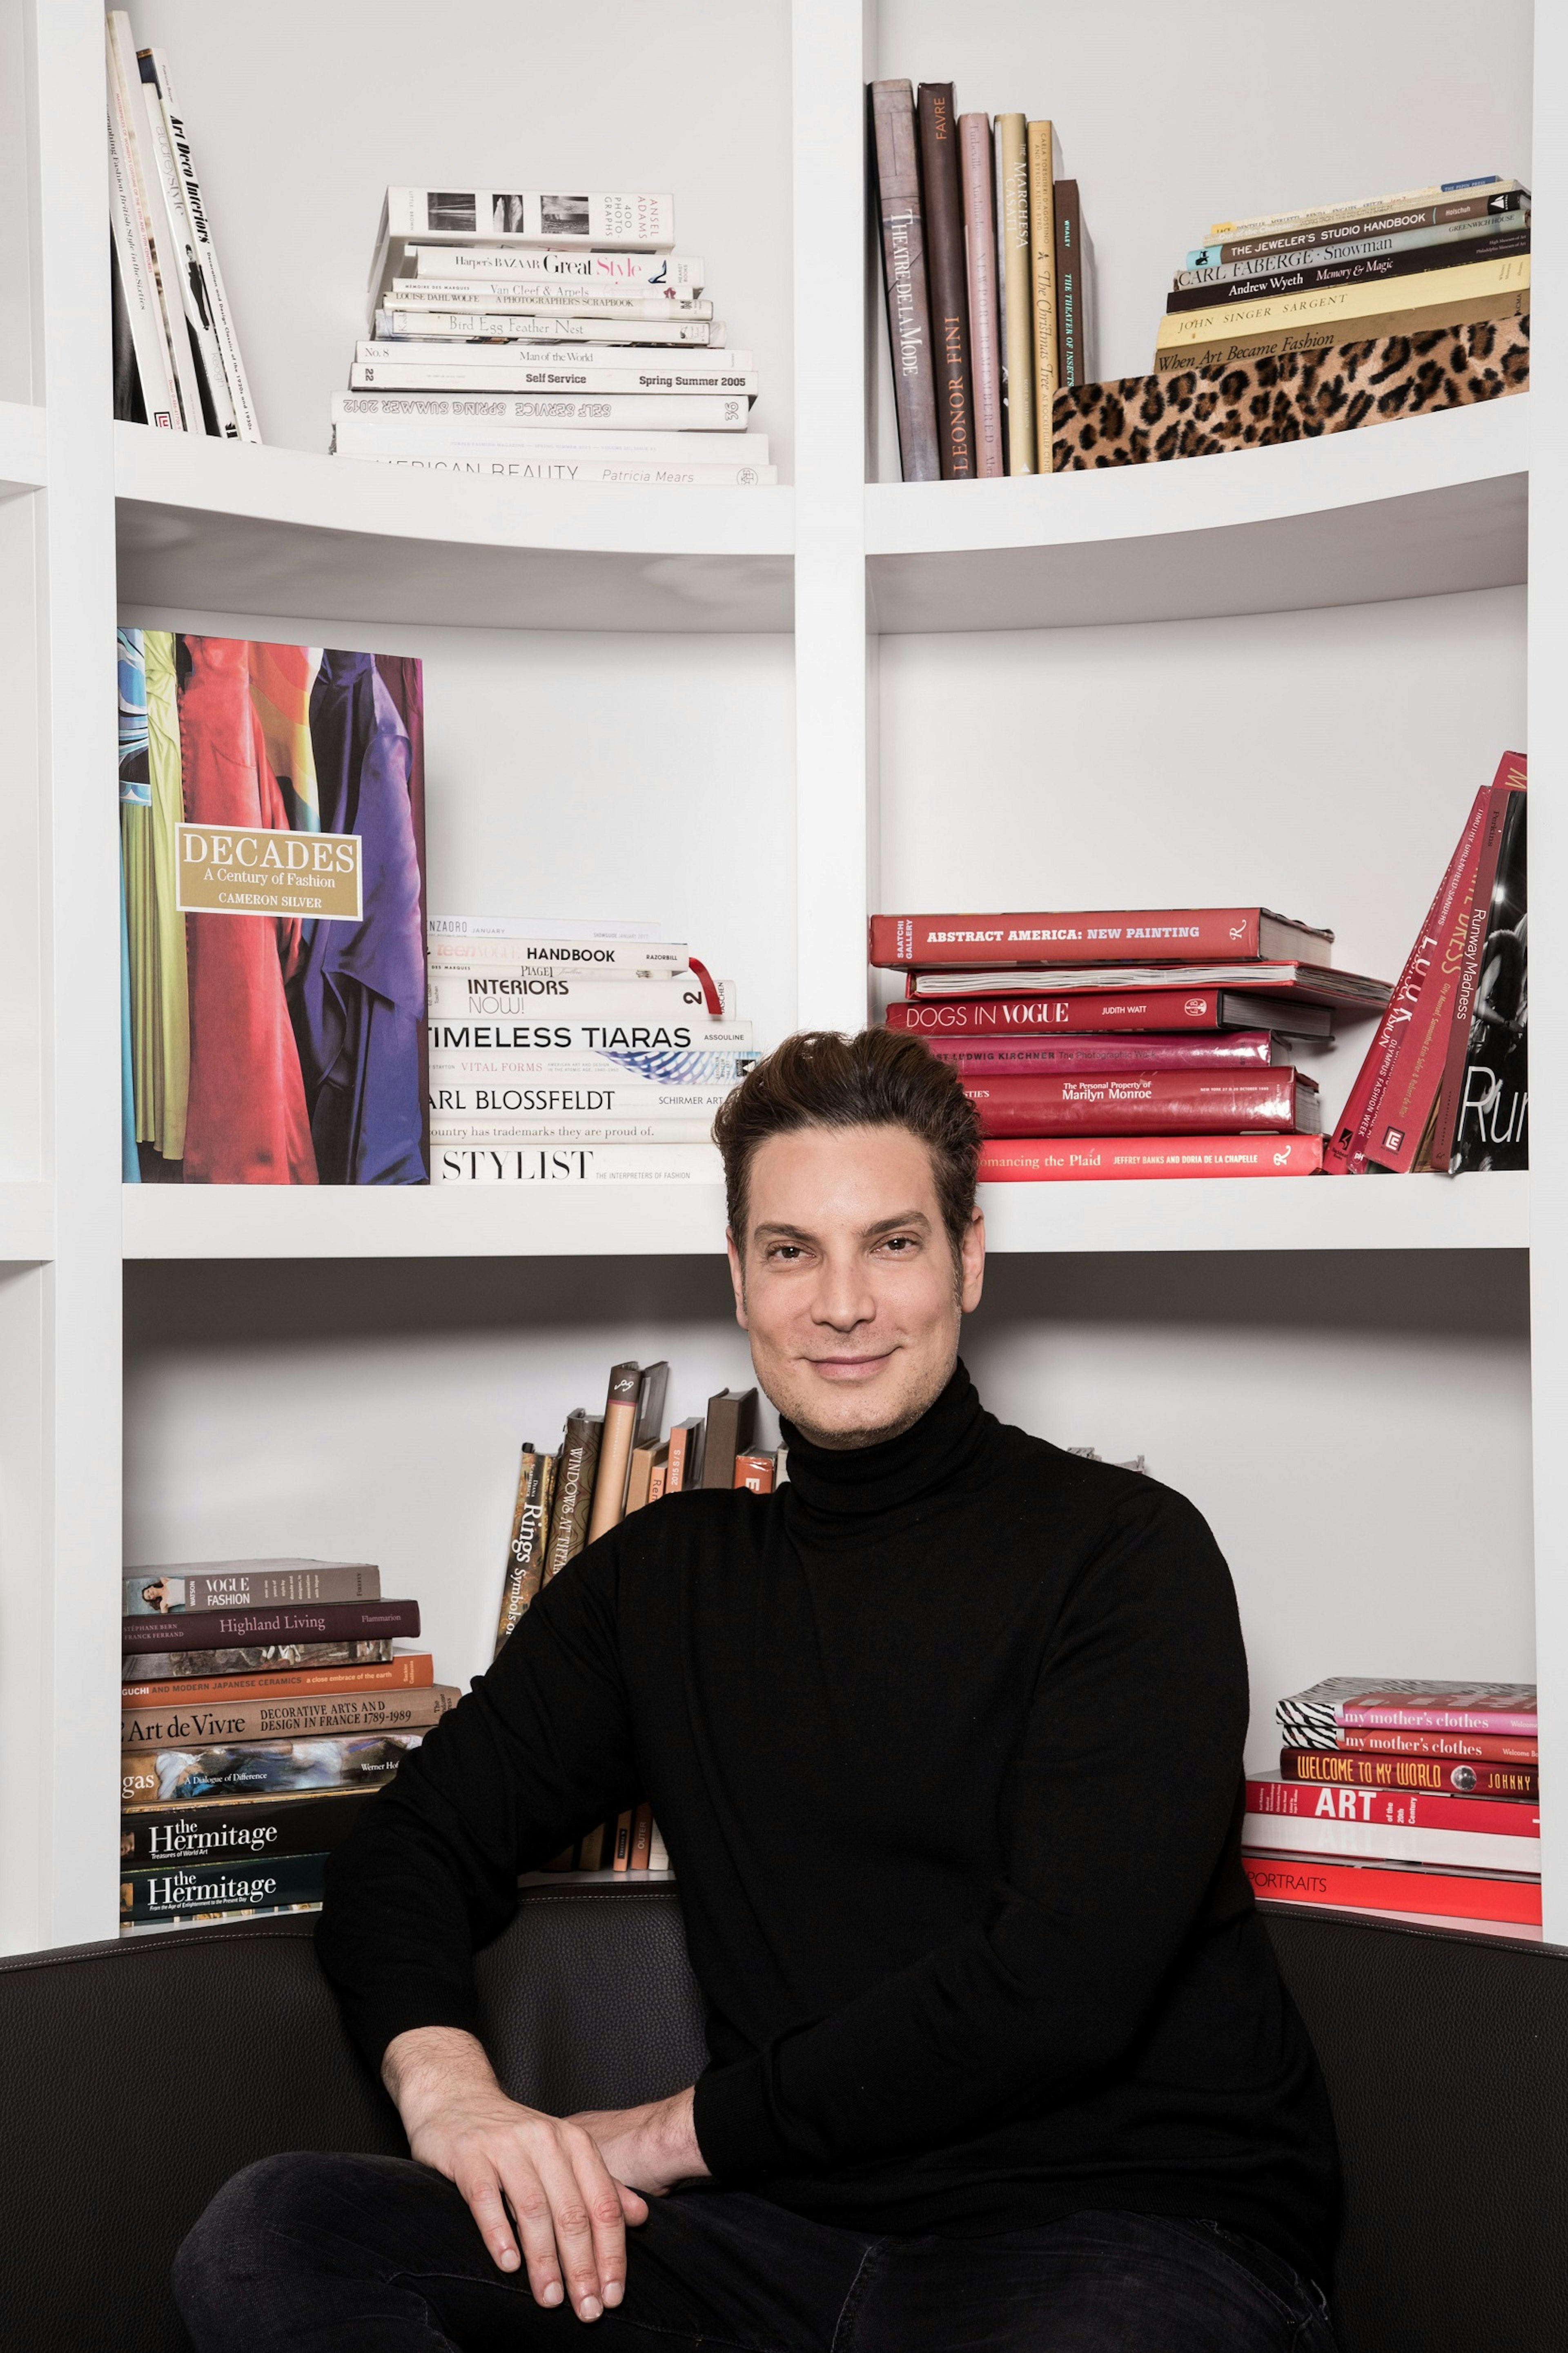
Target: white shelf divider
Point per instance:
(24, 462)
(1308, 1213)
(26, 1223)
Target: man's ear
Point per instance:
(738, 1279)
(971, 1263)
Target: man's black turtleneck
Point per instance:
(945, 1739)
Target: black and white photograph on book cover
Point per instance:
(1492, 1131)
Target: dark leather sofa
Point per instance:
(139, 2075)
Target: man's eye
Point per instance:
(903, 1242)
(785, 1249)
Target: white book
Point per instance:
(198, 360)
(648, 412)
(543, 927)
(640, 223)
(539, 953)
(462, 1095)
(524, 376)
(1381, 1842)
(561, 998)
(589, 365)
(614, 1164)
(133, 252)
(442, 437)
(613, 1128)
(155, 220)
(544, 294)
(548, 327)
(235, 377)
(568, 473)
(679, 274)
(1360, 207)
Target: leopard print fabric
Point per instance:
(1138, 419)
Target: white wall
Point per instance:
(1319, 763)
(302, 114)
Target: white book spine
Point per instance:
(562, 999)
(542, 927)
(155, 366)
(610, 1130)
(155, 221)
(369, 437)
(1361, 207)
(677, 274)
(648, 412)
(517, 327)
(623, 473)
(542, 295)
(641, 223)
(455, 1094)
(246, 424)
(536, 955)
(617, 1164)
(568, 365)
(185, 264)
(1379, 1842)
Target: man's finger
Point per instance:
(634, 2205)
(574, 2226)
(482, 2195)
(526, 2196)
(606, 2217)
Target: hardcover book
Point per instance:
(289, 1622)
(252, 1659)
(305, 1678)
(1145, 1103)
(270, 1767)
(1398, 1887)
(184, 1891)
(1334, 1768)
(237, 1829)
(272, 838)
(1022, 1013)
(176, 1720)
(1098, 1160)
(1177, 935)
(245, 1584)
(1492, 1110)
(1313, 1718)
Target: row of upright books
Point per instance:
(532, 336)
(1409, 1799)
(989, 278)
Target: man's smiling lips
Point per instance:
(847, 1368)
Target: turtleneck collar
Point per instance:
(858, 1481)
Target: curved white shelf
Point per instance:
(26, 1222)
(677, 1220)
(23, 463)
(1423, 507)
(223, 528)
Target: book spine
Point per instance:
(1135, 1103)
(1344, 270)
(593, 367)
(543, 299)
(493, 959)
(174, 1594)
(1378, 1842)
(1018, 292)
(575, 1491)
(896, 149)
(1288, 1799)
(151, 212)
(1409, 1100)
(1512, 777)
(980, 267)
(755, 1474)
(1499, 1722)
(249, 1659)
(681, 412)
(657, 1852)
(1346, 1153)
(292, 1621)
(1000, 1016)
(184, 1722)
(679, 276)
(133, 257)
(1100, 1160)
(176, 1890)
(1416, 220)
(529, 1541)
(1320, 322)
(941, 183)
(409, 1671)
(218, 1829)
(622, 1127)
(968, 943)
(579, 1163)
(1432, 248)
(645, 473)
(642, 1836)
(1488, 183)
(1362, 1887)
(246, 425)
(643, 221)
(198, 362)
(614, 1451)
(270, 1768)
(1238, 1049)
(620, 1858)
(1071, 346)
(1468, 1748)
(1333, 1768)
(482, 328)
(1043, 284)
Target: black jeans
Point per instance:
(375, 2254)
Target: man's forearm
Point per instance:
(430, 2066)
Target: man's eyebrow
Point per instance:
(780, 1232)
(890, 1225)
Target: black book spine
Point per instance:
(1425, 257)
(1072, 289)
(210, 1830)
(896, 152)
(947, 271)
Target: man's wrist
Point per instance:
(424, 2066)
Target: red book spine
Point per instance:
(1510, 778)
(755, 1472)
(1391, 1887)
(1002, 1016)
(1468, 1747)
(1414, 1810)
(1135, 1103)
(1333, 1769)
(1500, 1722)
(1234, 1049)
(1410, 1098)
(288, 1621)
(1098, 1160)
(1345, 1155)
(1119, 935)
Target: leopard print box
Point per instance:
(1139, 419)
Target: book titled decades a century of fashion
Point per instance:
(272, 847)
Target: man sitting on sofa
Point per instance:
(945, 1740)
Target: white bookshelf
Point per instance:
(1276, 674)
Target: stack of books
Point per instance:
(989, 277)
(607, 1466)
(576, 1052)
(1417, 1801)
(539, 338)
(176, 353)
(262, 1702)
(1082, 1066)
(1423, 260)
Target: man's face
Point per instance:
(846, 1281)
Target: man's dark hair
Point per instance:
(879, 1078)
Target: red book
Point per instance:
(1149, 935)
(1462, 1747)
(1394, 1887)
(1362, 1703)
(755, 1472)
(1014, 1013)
(1100, 1159)
(1234, 1049)
(286, 1621)
(408, 1671)
(1145, 1103)
(1510, 778)
(1414, 1810)
(1333, 1769)
(1311, 983)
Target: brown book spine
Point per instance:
(1332, 1768)
(946, 272)
(642, 1836)
(640, 1479)
(289, 1622)
(657, 1475)
(530, 1538)
(574, 1490)
(249, 1659)
(622, 1858)
(1043, 279)
(175, 1723)
(615, 1448)
(684, 1468)
(731, 1418)
(755, 1472)
(591, 1848)
(896, 149)
(984, 318)
(1071, 291)
(407, 1671)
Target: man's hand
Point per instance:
(570, 2215)
(651, 2147)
